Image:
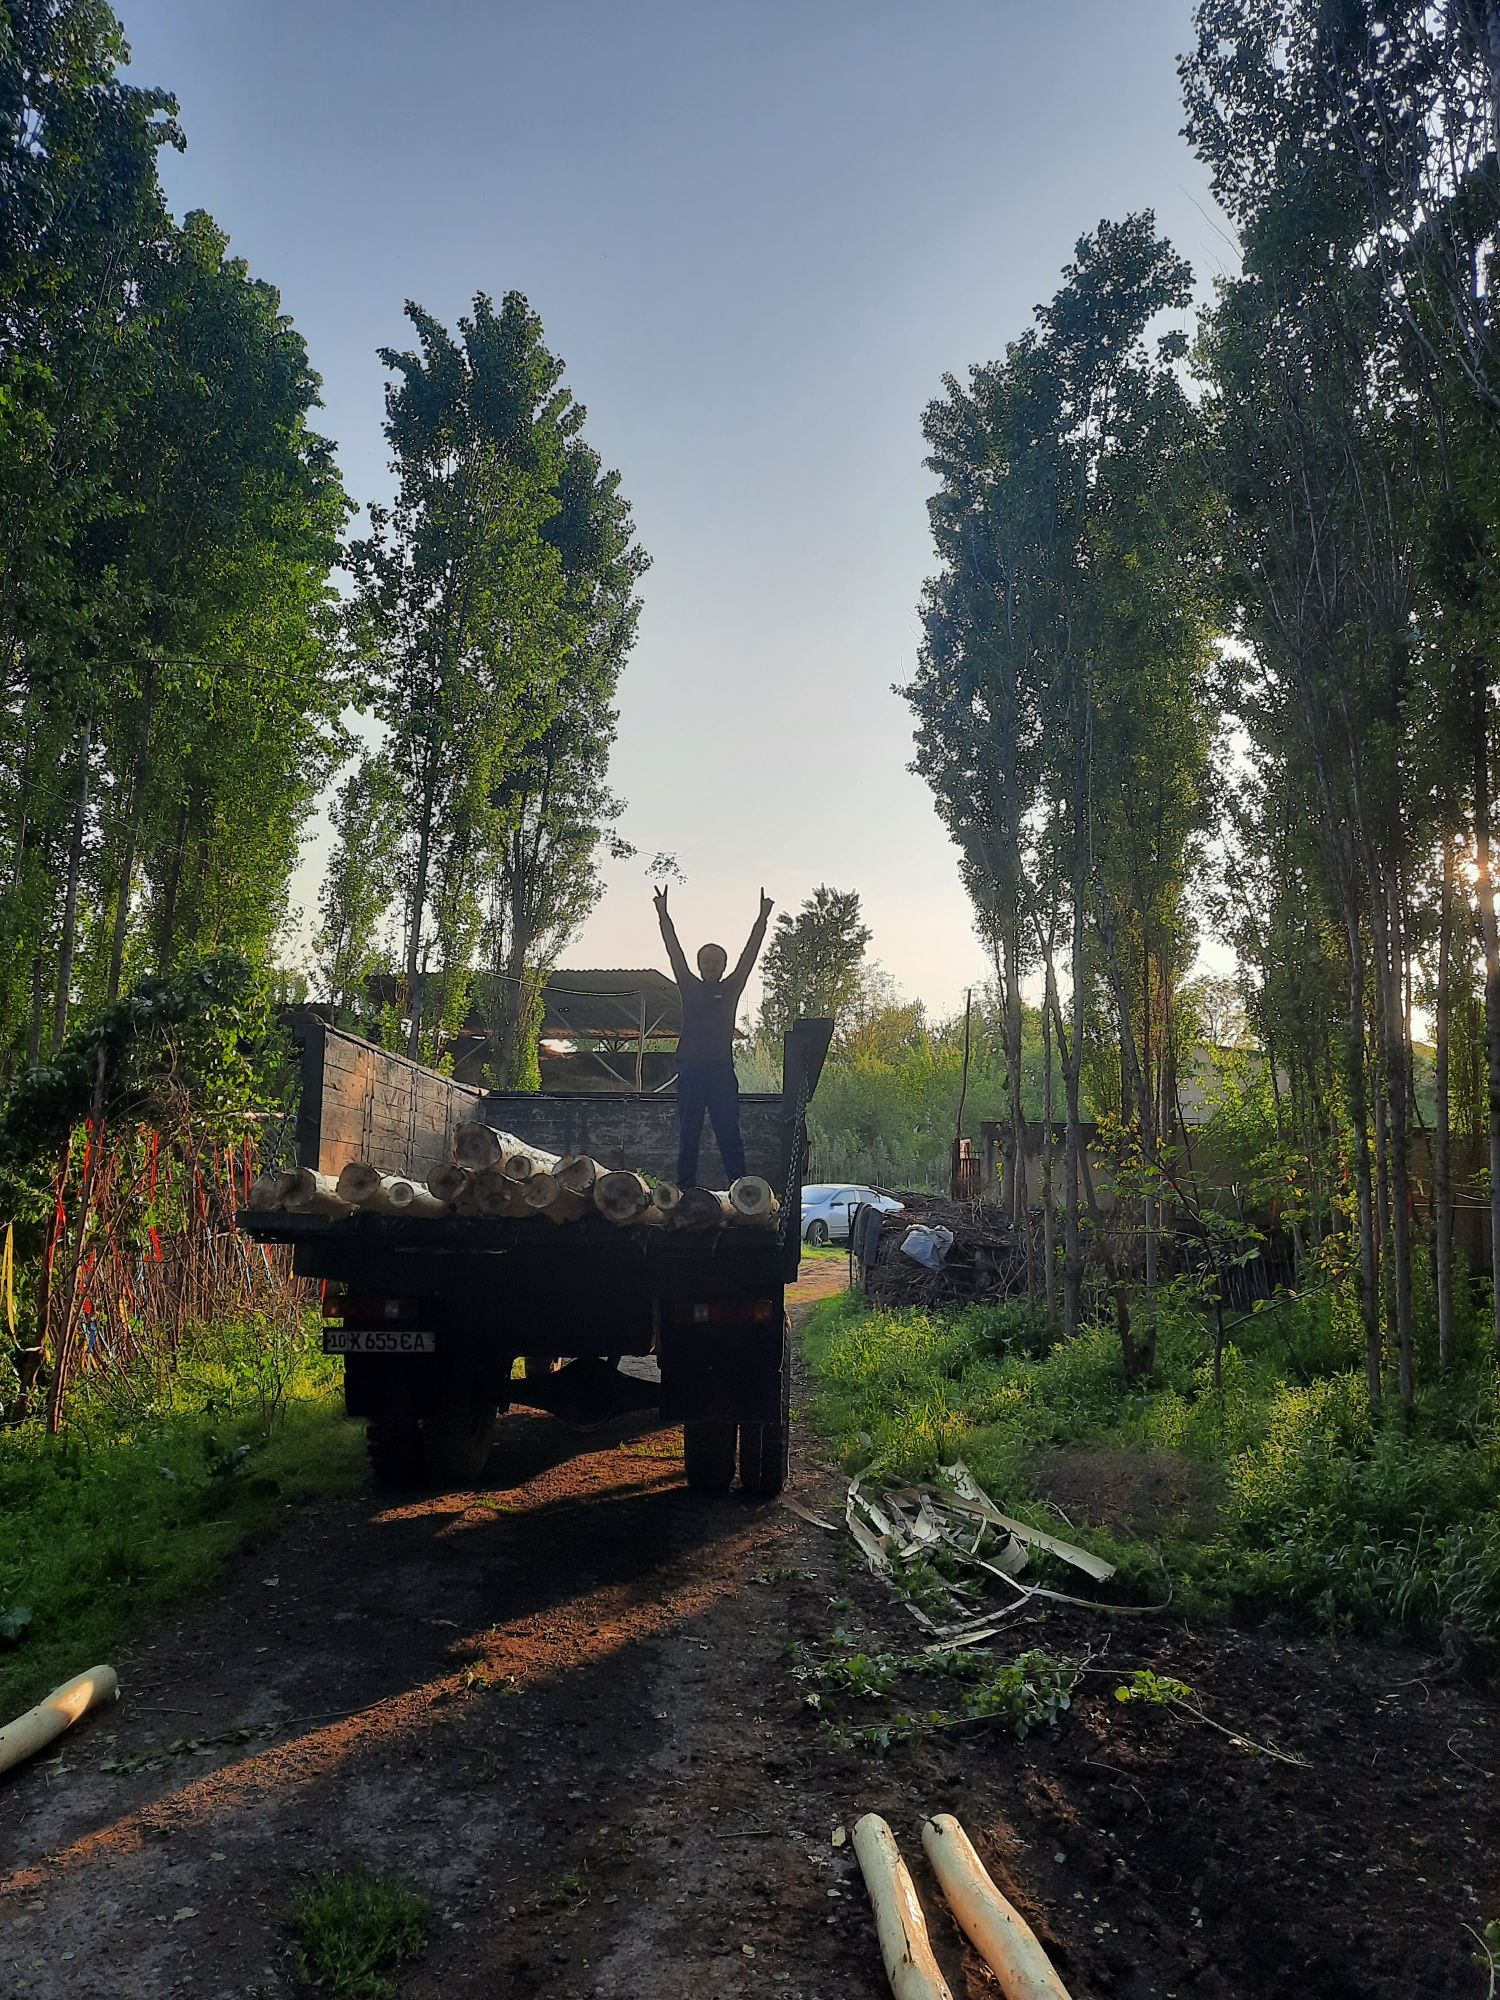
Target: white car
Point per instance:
(826, 1211)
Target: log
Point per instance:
(365, 1187)
(578, 1172)
(310, 1193)
(477, 1145)
(544, 1194)
(407, 1197)
(43, 1724)
(497, 1194)
(448, 1182)
(754, 1201)
(521, 1161)
(702, 1208)
(621, 1197)
(267, 1189)
(996, 1929)
(665, 1197)
(899, 1924)
(469, 1201)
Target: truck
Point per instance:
(444, 1323)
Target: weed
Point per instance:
(1029, 1692)
(139, 1501)
(1351, 1520)
(1156, 1690)
(355, 1929)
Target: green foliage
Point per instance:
(1324, 1510)
(354, 1930)
(170, 522)
(204, 1035)
(1030, 1692)
(156, 1481)
(814, 961)
(1155, 1690)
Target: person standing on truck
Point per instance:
(705, 1050)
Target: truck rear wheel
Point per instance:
(765, 1449)
(394, 1449)
(458, 1433)
(708, 1454)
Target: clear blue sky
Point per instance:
(758, 234)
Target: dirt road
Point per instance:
(562, 1707)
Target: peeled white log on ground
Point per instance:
(996, 1929)
(702, 1208)
(544, 1194)
(899, 1924)
(43, 1724)
(267, 1189)
(311, 1193)
(754, 1201)
(366, 1187)
(622, 1197)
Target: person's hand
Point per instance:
(660, 899)
(766, 906)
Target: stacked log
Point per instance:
(497, 1176)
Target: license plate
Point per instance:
(377, 1340)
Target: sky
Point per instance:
(758, 234)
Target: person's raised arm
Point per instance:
(675, 955)
(754, 942)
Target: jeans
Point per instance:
(712, 1087)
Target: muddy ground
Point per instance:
(563, 1708)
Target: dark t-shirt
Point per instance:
(708, 1018)
(708, 1011)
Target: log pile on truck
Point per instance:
(494, 1175)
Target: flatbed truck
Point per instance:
(445, 1323)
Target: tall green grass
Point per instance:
(155, 1480)
(1324, 1511)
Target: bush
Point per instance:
(152, 1485)
(1328, 1513)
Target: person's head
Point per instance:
(712, 961)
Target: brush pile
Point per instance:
(987, 1259)
(496, 1176)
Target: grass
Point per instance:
(152, 1484)
(353, 1930)
(1323, 1511)
(821, 1253)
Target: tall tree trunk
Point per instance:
(1049, 1218)
(166, 909)
(418, 910)
(1442, 1169)
(1072, 1061)
(1489, 930)
(38, 1007)
(1399, 1143)
(69, 939)
(1359, 1136)
(132, 834)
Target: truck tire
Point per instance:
(394, 1449)
(708, 1454)
(765, 1449)
(458, 1433)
